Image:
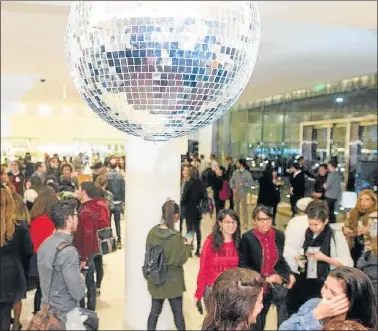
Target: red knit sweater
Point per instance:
(41, 228)
(212, 264)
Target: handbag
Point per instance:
(225, 192)
(107, 243)
(46, 318)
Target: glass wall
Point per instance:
(275, 128)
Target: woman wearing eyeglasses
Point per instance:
(219, 253)
(261, 249)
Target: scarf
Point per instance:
(323, 240)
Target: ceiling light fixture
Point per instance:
(339, 100)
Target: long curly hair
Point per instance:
(7, 225)
(218, 238)
(232, 299)
(20, 212)
(371, 194)
(357, 211)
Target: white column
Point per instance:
(205, 138)
(153, 175)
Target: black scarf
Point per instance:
(323, 240)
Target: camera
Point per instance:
(42, 80)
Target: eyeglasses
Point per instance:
(264, 219)
(229, 222)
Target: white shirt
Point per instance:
(295, 236)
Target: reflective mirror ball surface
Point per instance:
(161, 69)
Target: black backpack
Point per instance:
(155, 268)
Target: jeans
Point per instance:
(219, 205)
(5, 315)
(242, 199)
(331, 208)
(232, 200)
(99, 267)
(196, 227)
(91, 287)
(274, 214)
(117, 218)
(293, 203)
(156, 308)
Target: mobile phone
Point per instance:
(199, 307)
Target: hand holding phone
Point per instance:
(199, 307)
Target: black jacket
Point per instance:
(194, 192)
(116, 185)
(208, 177)
(14, 261)
(217, 186)
(230, 171)
(250, 252)
(318, 187)
(298, 185)
(269, 193)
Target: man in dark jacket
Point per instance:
(94, 215)
(116, 185)
(230, 168)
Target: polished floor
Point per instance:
(110, 305)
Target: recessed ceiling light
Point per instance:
(44, 110)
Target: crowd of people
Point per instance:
(318, 276)
(313, 273)
(45, 206)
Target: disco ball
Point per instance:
(161, 69)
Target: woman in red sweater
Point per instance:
(41, 227)
(219, 253)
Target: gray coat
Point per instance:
(241, 177)
(68, 288)
(368, 264)
(333, 185)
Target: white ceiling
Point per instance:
(303, 43)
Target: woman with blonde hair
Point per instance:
(357, 226)
(22, 218)
(15, 247)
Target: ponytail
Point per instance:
(169, 210)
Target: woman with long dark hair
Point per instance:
(185, 176)
(235, 302)
(269, 192)
(194, 192)
(176, 253)
(219, 253)
(347, 294)
(41, 227)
